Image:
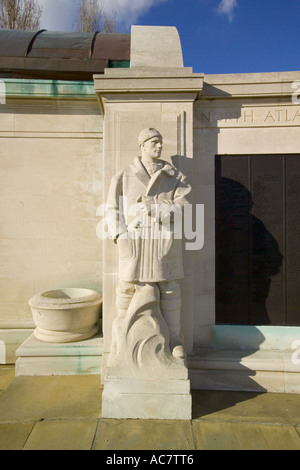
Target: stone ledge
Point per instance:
(37, 88)
(38, 358)
(33, 347)
(273, 84)
(55, 366)
(263, 360)
(209, 369)
(262, 370)
(10, 342)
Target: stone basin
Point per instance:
(66, 315)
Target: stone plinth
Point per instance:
(142, 378)
(37, 358)
(147, 399)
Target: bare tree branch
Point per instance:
(20, 14)
(92, 17)
(109, 22)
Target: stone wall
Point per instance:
(237, 114)
(50, 187)
(51, 182)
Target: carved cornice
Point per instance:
(178, 84)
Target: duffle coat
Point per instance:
(148, 250)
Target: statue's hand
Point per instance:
(145, 204)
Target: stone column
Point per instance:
(157, 91)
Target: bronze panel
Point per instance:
(258, 239)
(292, 168)
(267, 275)
(233, 202)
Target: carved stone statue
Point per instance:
(144, 207)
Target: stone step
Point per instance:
(245, 370)
(209, 369)
(38, 358)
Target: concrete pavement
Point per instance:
(64, 413)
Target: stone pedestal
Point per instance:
(142, 378)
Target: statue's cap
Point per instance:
(147, 134)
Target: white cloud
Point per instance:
(59, 15)
(227, 7)
(129, 11)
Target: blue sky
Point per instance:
(217, 36)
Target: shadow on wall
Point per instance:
(185, 165)
(247, 256)
(231, 366)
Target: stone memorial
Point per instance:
(146, 373)
(234, 136)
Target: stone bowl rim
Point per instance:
(44, 299)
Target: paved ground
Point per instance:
(64, 413)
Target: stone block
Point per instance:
(13, 436)
(43, 398)
(125, 399)
(144, 435)
(242, 436)
(38, 358)
(62, 435)
(165, 50)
